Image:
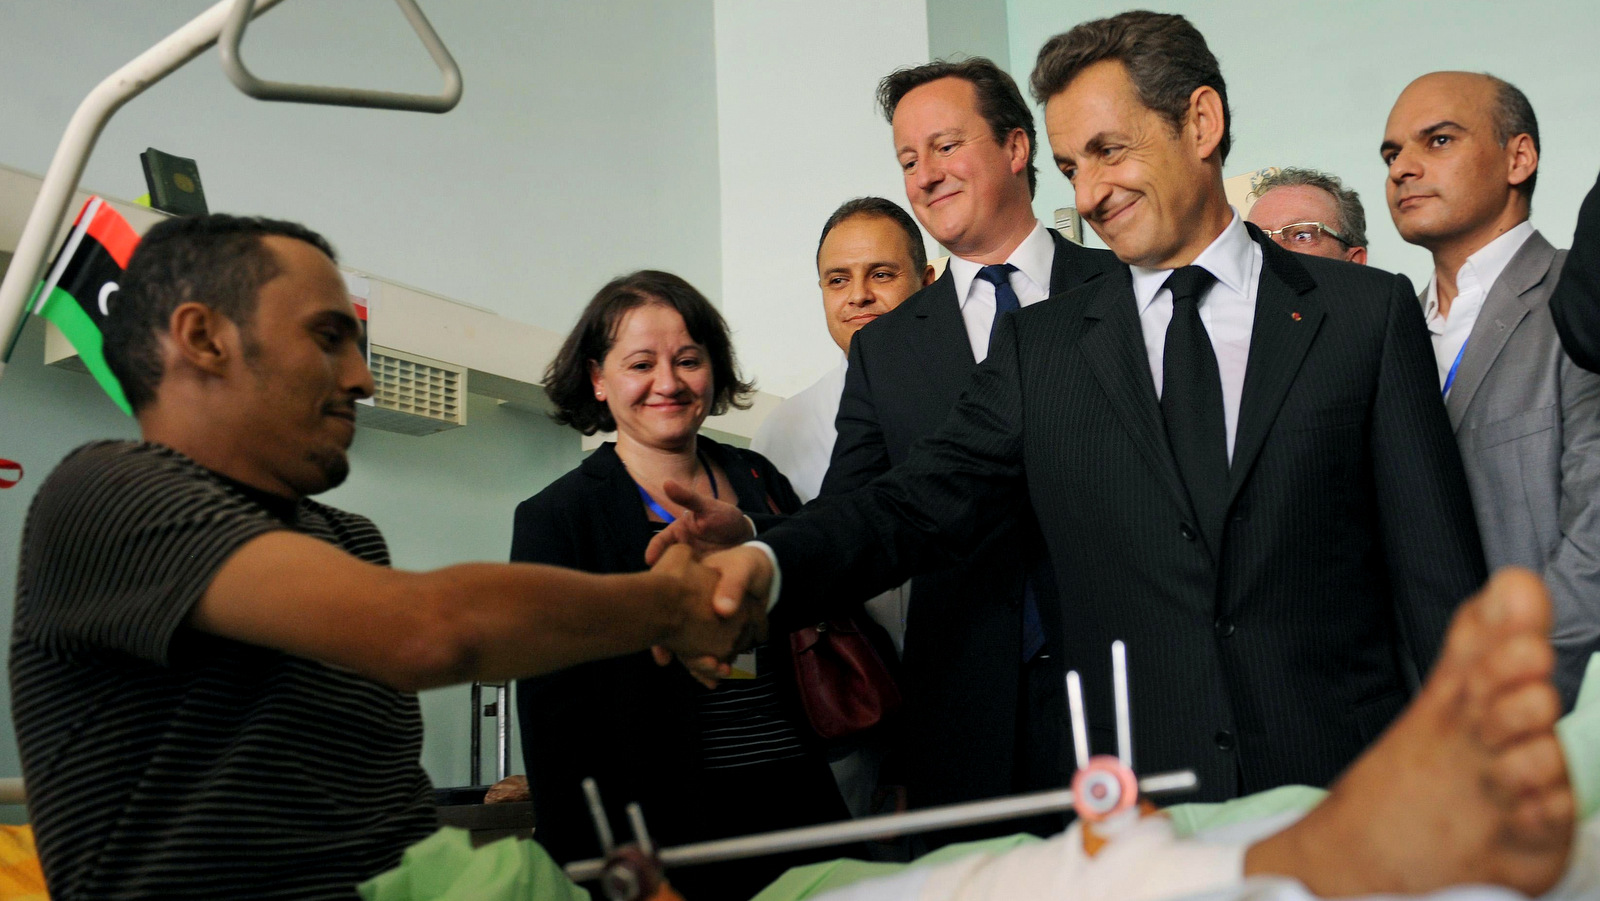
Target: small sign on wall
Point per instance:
(360, 288)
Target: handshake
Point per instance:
(720, 587)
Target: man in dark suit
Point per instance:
(1237, 455)
(985, 713)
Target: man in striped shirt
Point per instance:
(212, 675)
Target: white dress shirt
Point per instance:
(1227, 309)
(798, 436)
(1033, 258)
(1473, 283)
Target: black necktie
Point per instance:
(1005, 300)
(1191, 403)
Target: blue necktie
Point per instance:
(1005, 301)
(1005, 298)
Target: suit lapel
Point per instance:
(1502, 310)
(1113, 343)
(1288, 315)
(941, 341)
(1064, 274)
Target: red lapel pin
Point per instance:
(1295, 316)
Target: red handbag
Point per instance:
(845, 686)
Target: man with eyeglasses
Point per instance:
(1463, 154)
(1311, 212)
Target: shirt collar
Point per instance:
(1034, 258)
(1228, 258)
(1482, 269)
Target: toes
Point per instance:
(1541, 821)
(1521, 711)
(1514, 602)
(1514, 599)
(1527, 769)
(1518, 658)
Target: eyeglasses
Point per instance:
(1304, 234)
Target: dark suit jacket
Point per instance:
(627, 722)
(963, 645)
(1575, 305)
(1274, 660)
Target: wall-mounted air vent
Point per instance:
(415, 395)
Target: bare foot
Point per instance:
(1468, 786)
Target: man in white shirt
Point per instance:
(1463, 154)
(870, 258)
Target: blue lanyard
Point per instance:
(661, 511)
(1450, 379)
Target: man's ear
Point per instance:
(1522, 159)
(1017, 149)
(1205, 117)
(202, 338)
(928, 275)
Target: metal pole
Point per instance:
(502, 732)
(475, 743)
(886, 826)
(66, 167)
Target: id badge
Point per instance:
(744, 666)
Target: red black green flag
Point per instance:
(77, 293)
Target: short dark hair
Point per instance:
(217, 260)
(1166, 57)
(1513, 115)
(566, 380)
(1000, 101)
(1352, 222)
(886, 209)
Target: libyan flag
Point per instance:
(76, 293)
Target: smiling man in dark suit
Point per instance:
(1236, 454)
(982, 654)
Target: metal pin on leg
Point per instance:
(641, 835)
(597, 812)
(1080, 723)
(1104, 786)
(1119, 684)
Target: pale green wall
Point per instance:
(1311, 84)
(958, 28)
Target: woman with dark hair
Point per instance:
(650, 358)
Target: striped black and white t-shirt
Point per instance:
(166, 763)
(742, 721)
